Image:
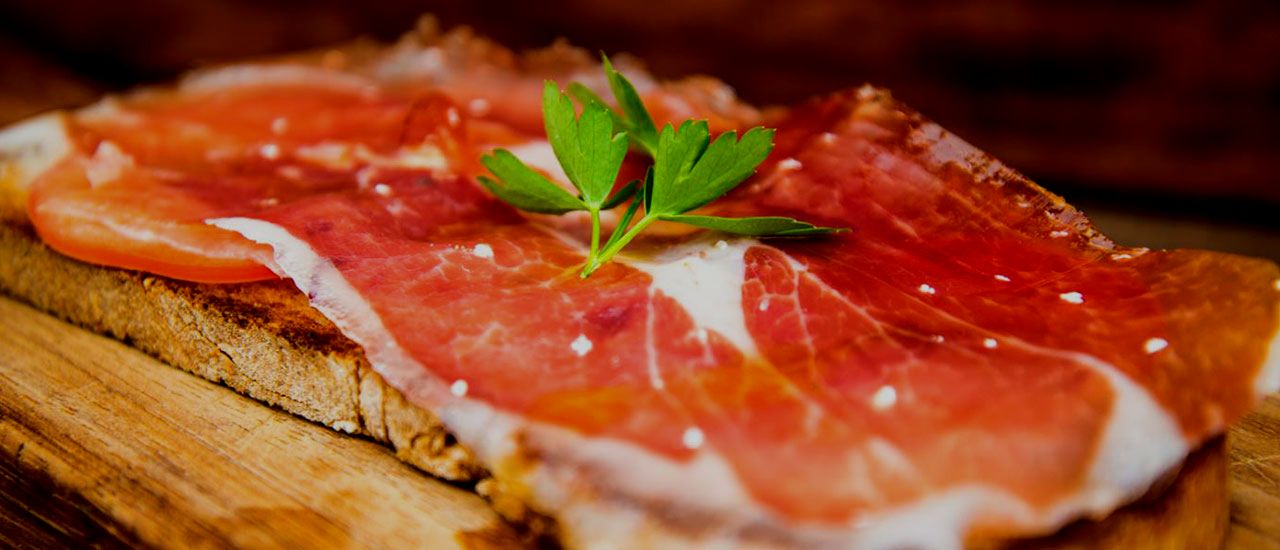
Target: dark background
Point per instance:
(1159, 119)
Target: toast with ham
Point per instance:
(974, 358)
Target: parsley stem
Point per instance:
(595, 234)
(610, 251)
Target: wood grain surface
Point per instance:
(101, 444)
(1255, 478)
(104, 445)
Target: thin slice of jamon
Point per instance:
(973, 361)
(493, 82)
(241, 139)
(148, 169)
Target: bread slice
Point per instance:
(260, 339)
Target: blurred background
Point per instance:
(1161, 120)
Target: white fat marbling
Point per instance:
(331, 294)
(107, 164)
(1142, 441)
(263, 75)
(30, 148)
(706, 279)
(331, 154)
(1268, 377)
(345, 156)
(478, 107)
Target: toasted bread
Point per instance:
(260, 339)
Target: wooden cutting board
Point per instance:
(101, 443)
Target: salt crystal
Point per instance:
(581, 345)
(1072, 297)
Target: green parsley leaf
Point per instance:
(678, 150)
(628, 191)
(588, 150)
(586, 96)
(639, 124)
(689, 169)
(774, 226)
(689, 173)
(523, 188)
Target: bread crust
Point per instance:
(260, 339)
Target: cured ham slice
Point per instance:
(242, 139)
(974, 358)
(224, 148)
(973, 361)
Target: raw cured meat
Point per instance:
(242, 139)
(973, 358)
(218, 150)
(973, 361)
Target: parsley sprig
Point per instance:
(689, 169)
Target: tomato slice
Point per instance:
(153, 230)
(147, 176)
